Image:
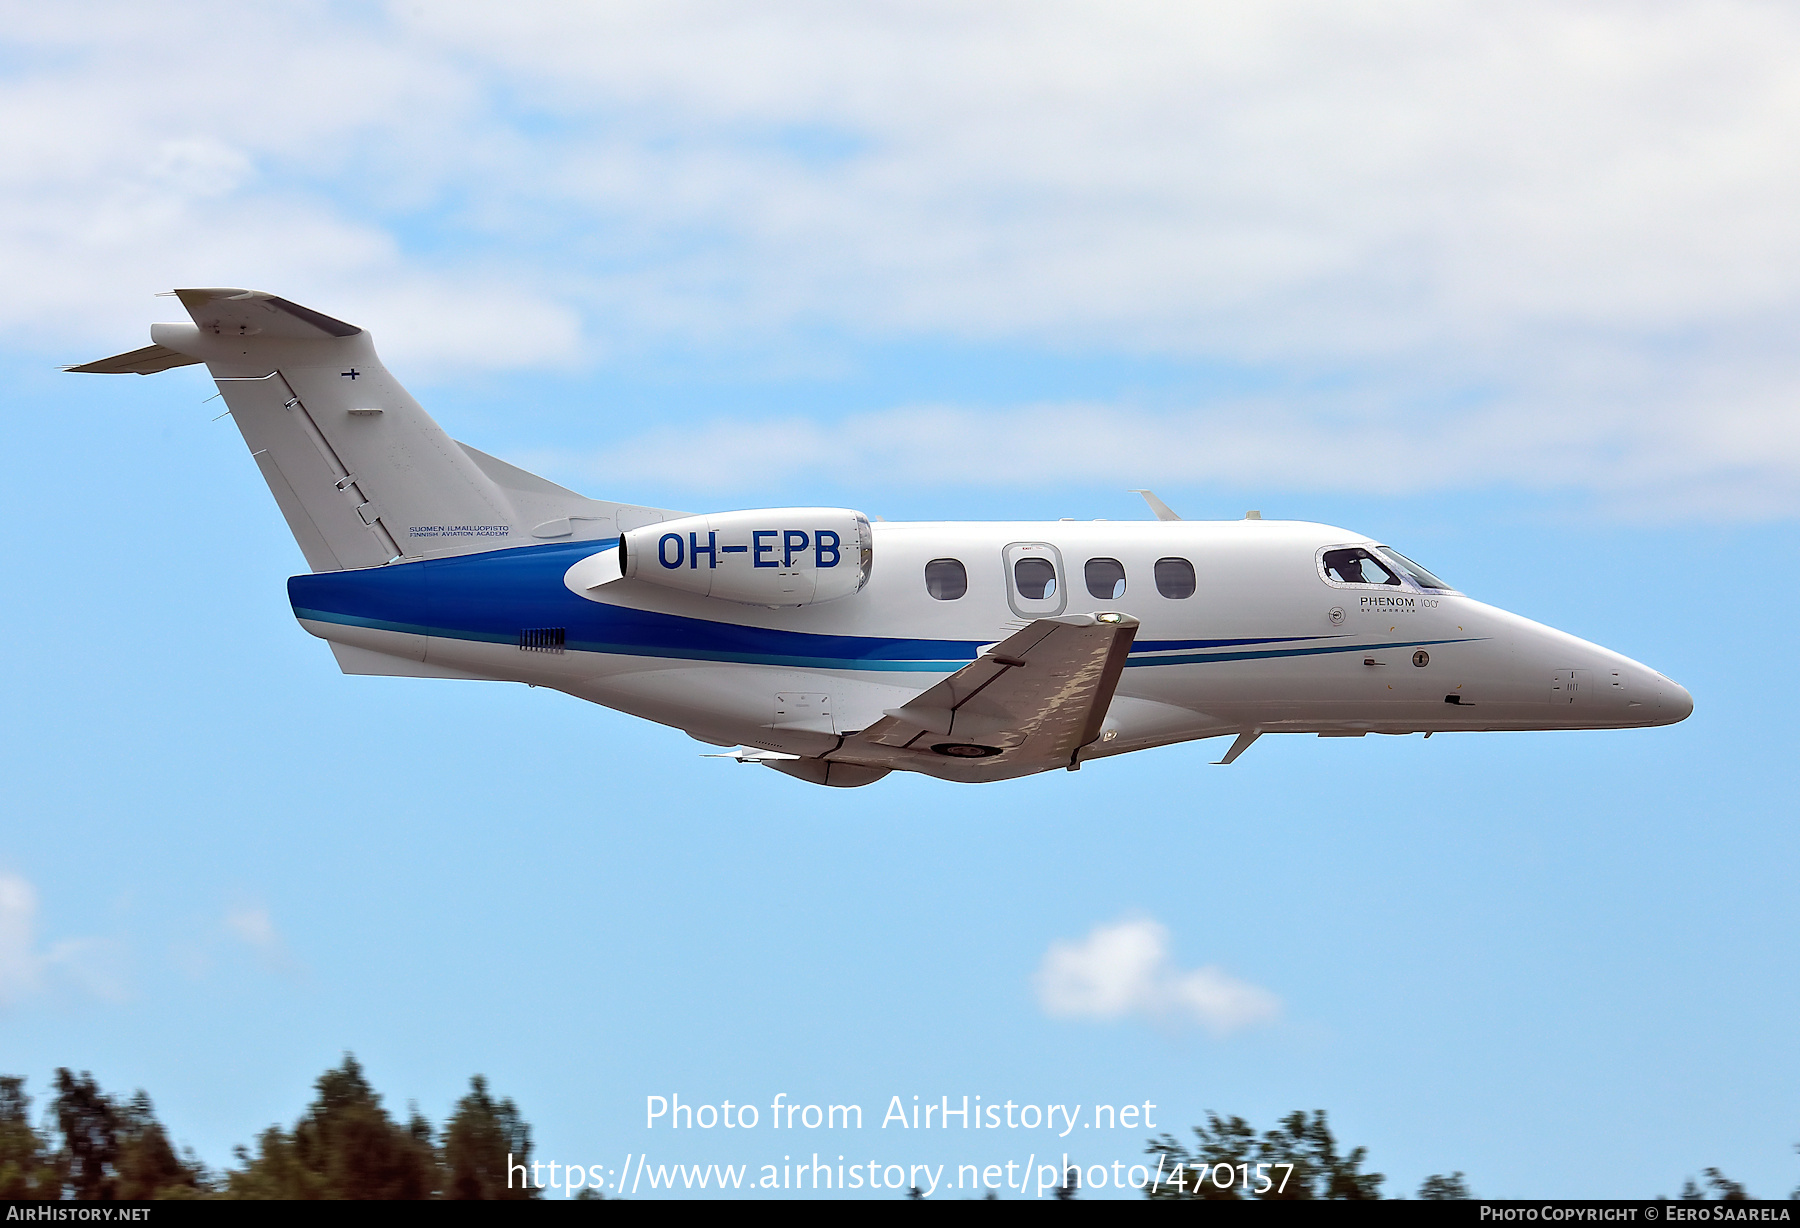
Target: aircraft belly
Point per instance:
(800, 712)
(403, 644)
(1136, 723)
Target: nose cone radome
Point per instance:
(1673, 701)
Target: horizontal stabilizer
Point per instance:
(147, 361)
(251, 313)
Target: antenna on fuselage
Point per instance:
(1163, 510)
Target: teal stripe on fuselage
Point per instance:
(1195, 658)
(640, 650)
(871, 664)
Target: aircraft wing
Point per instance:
(1027, 705)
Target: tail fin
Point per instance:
(362, 473)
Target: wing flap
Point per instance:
(1028, 705)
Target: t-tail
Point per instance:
(362, 473)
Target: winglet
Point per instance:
(1162, 510)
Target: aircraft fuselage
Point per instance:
(1265, 638)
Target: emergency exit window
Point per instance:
(1035, 578)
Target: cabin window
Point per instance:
(1175, 579)
(946, 579)
(1354, 565)
(1035, 578)
(1105, 578)
(1411, 570)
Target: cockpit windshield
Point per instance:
(1411, 570)
(1354, 565)
(1377, 565)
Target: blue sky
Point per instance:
(1518, 303)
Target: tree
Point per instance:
(1300, 1156)
(26, 1170)
(345, 1146)
(1301, 1141)
(482, 1142)
(147, 1166)
(275, 1171)
(1724, 1187)
(90, 1135)
(1229, 1141)
(116, 1150)
(1438, 1188)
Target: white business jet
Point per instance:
(836, 650)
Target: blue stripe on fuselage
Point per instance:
(490, 597)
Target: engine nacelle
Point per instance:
(774, 556)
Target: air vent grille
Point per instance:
(542, 639)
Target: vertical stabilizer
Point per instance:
(362, 473)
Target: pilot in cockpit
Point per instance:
(1357, 566)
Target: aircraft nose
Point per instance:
(1673, 703)
(1674, 700)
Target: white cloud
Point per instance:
(222, 146)
(20, 964)
(1575, 219)
(1256, 177)
(252, 925)
(1731, 456)
(27, 968)
(1124, 969)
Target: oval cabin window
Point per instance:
(946, 579)
(1105, 578)
(1175, 579)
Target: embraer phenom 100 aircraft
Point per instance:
(837, 650)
